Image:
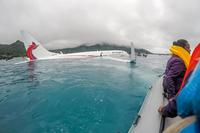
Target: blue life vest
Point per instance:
(188, 101)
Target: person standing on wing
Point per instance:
(173, 76)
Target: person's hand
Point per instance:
(171, 99)
(160, 109)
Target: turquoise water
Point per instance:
(74, 96)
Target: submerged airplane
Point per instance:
(35, 51)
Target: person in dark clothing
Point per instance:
(173, 76)
(170, 109)
(175, 70)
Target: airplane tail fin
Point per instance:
(34, 49)
(133, 57)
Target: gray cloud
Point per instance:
(152, 24)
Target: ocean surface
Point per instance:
(74, 96)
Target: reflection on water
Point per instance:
(31, 68)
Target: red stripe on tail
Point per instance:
(29, 51)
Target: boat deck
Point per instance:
(149, 120)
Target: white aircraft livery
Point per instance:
(35, 51)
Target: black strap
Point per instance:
(137, 120)
(162, 124)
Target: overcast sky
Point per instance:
(150, 24)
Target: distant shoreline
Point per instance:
(17, 49)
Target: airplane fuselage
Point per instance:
(88, 54)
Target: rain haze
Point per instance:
(150, 24)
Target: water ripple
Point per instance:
(74, 95)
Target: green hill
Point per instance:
(15, 49)
(102, 46)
